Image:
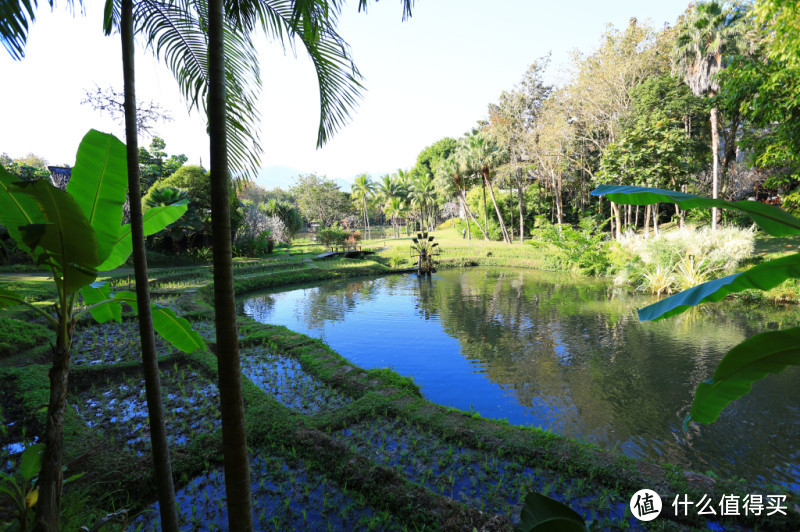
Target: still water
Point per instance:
(564, 354)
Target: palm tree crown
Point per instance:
(709, 34)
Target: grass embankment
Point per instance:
(333, 445)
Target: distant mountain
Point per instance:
(280, 176)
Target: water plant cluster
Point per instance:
(285, 497)
(119, 408)
(476, 477)
(283, 378)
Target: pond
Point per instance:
(565, 354)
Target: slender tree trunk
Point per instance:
(646, 229)
(618, 220)
(511, 210)
(234, 437)
(715, 161)
(496, 208)
(655, 220)
(636, 220)
(520, 191)
(50, 477)
(469, 213)
(485, 210)
(155, 410)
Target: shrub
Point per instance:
(449, 223)
(582, 249)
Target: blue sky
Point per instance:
(429, 77)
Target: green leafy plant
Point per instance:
(21, 488)
(75, 234)
(756, 357)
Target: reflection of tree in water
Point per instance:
(260, 308)
(425, 302)
(577, 356)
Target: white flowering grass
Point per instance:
(682, 258)
(724, 248)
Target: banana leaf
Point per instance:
(751, 360)
(771, 219)
(154, 220)
(68, 242)
(98, 184)
(175, 330)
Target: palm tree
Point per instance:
(452, 168)
(363, 189)
(158, 434)
(394, 208)
(707, 35)
(388, 188)
(404, 181)
(312, 22)
(485, 154)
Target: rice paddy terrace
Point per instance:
(333, 446)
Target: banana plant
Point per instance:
(76, 234)
(756, 357)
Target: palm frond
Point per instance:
(408, 5)
(16, 16)
(176, 32)
(312, 23)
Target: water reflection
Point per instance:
(564, 354)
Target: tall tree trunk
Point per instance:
(50, 477)
(557, 200)
(646, 229)
(511, 210)
(496, 208)
(366, 219)
(162, 467)
(715, 161)
(617, 220)
(485, 210)
(234, 437)
(656, 231)
(520, 191)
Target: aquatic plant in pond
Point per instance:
(283, 378)
(119, 408)
(474, 477)
(285, 497)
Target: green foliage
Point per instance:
(319, 199)
(77, 232)
(756, 357)
(194, 228)
(584, 249)
(430, 158)
(767, 94)
(154, 165)
(21, 488)
(17, 336)
(334, 238)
